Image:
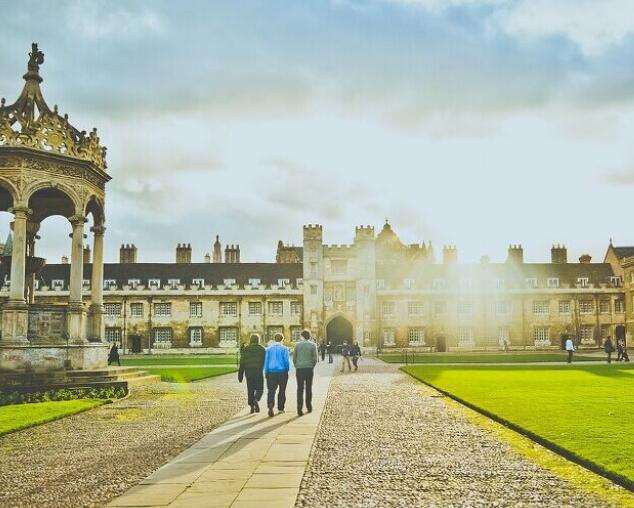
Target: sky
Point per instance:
(478, 123)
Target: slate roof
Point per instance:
(623, 252)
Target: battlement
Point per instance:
(449, 254)
(313, 232)
(364, 233)
(339, 250)
(515, 254)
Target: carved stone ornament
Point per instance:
(30, 123)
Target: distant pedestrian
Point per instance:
(329, 351)
(251, 365)
(570, 348)
(355, 353)
(619, 350)
(276, 365)
(322, 350)
(505, 344)
(345, 354)
(113, 355)
(305, 358)
(608, 347)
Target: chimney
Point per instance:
(585, 259)
(558, 255)
(449, 254)
(515, 254)
(207, 258)
(184, 253)
(232, 254)
(127, 253)
(87, 254)
(64, 260)
(217, 258)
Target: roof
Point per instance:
(623, 252)
(212, 273)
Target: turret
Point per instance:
(87, 254)
(127, 253)
(515, 254)
(184, 253)
(449, 254)
(559, 254)
(232, 254)
(217, 257)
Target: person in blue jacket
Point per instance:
(276, 365)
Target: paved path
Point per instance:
(387, 441)
(250, 461)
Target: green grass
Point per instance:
(21, 416)
(587, 410)
(485, 358)
(178, 360)
(187, 374)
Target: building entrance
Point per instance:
(338, 330)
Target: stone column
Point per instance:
(96, 286)
(31, 235)
(15, 316)
(76, 313)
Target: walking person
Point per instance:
(345, 354)
(355, 353)
(305, 358)
(276, 365)
(251, 365)
(329, 350)
(608, 347)
(322, 350)
(619, 350)
(113, 355)
(570, 349)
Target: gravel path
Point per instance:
(386, 441)
(87, 459)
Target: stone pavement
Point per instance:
(250, 461)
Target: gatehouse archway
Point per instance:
(338, 330)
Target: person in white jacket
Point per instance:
(570, 348)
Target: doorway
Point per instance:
(338, 330)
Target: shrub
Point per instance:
(7, 398)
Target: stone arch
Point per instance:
(68, 191)
(48, 199)
(339, 328)
(8, 195)
(94, 206)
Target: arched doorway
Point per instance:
(338, 330)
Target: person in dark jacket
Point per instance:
(355, 354)
(345, 354)
(322, 350)
(608, 347)
(251, 367)
(329, 351)
(113, 356)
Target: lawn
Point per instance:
(20, 416)
(187, 374)
(586, 410)
(485, 358)
(178, 360)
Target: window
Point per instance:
(388, 337)
(313, 289)
(154, 283)
(254, 282)
(531, 283)
(296, 333)
(272, 330)
(387, 308)
(541, 335)
(564, 306)
(604, 306)
(276, 308)
(586, 307)
(586, 334)
(416, 336)
(113, 335)
(380, 283)
(503, 307)
(196, 336)
(196, 309)
(466, 283)
(339, 266)
(136, 310)
(465, 337)
(162, 336)
(108, 284)
(198, 284)
(162, 309)
(409, 283)
(605, 332)
(296, 308)
(134, 283)
(282, 283)
(57, 284)
(440, 308)
(228, 336)
(582, 282)
(228, 309)
(173, 283)
(438, 284)
(85, 283)
(541, 307)
(619, 305)
(229, 282)
(112, 309)
(465, 308)
(416, 308)
(615, 280)
(499, 283)
(255, 308)
(552, 282)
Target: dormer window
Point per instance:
(409, 283)
(154, 283)
(173, 283)
(109, 284)
(499, 283)
(380, 284)
(36, 284)
(134, 283)
(552, 282)
(85, 283)
(198, 283)
(57, 284)
(254, 282)
(583, 282)
(531, 283)
(615, 280)
(466, 283)
(229, 282)
(282, 283)
(438, 284)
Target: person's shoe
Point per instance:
(280, 411)
(252, 409)
(309, 409)
(300, 412)
(256, 406)
(271, 413)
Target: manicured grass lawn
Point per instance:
(20, 416)
(178, 360)
(587, 410)
(485, 358)
(187, 374)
